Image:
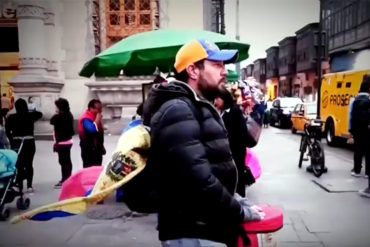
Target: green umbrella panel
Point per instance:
(232, 75)
(143, 53)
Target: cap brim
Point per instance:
(227, 56)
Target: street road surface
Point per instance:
(332, 214)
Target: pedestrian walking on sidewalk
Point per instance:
(6, 104)
(63, 132)
(360, 130)
(236, 126)
(91, 133)
(190, 153)
(20, 126)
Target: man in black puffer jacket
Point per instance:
(196, 174)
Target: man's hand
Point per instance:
(253, 213)
(98, 117)
(350, 140)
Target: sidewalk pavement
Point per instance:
(312, 216)
(90, 229)
(332, 214)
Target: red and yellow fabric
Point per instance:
(125, 164)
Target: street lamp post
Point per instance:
(319, 54)
(222, 16)
(237, 36)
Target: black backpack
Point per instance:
(141, 194)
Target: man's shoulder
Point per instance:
(83, 116)
(87, 120)
(361, 101)
(177, 104)
(363, 96)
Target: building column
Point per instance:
(34, 78)
(31, 42)
(51, 45)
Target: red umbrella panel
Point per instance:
(80, 182)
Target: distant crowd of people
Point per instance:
(17, 133)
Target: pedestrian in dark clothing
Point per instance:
(360, 130)
(190, 154)
(6, 105)
(91, 133)
(236, 127)
(266, 116)
(4, 141)
(63, 132)
(20, 126)
(260, 108)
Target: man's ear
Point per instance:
(193, 71)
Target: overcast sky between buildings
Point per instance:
(263, 23)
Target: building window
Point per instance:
(129, 4)
(114, 19)
(114, 5)
(127, 17)
(363, 11)
(298, 57)
(130, 19)
(348, 15)
(145, 5)
(327, 25)
(263, 69)
(307, 90)
(145, 19)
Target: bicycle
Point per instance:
(310, 143)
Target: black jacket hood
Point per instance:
(161, 93)
(21, 106)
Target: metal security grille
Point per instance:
(127, 17)
(96, 26)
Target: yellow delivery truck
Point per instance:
(337, 89)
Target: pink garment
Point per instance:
(251, 160)
(68, 142)
(80, 182)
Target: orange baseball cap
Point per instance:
(196, 50)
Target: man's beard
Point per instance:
(210, 92)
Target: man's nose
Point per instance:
(223, 71)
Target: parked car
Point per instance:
(302, 113)
(268, 105)
(281, 110)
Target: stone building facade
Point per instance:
(56, 37)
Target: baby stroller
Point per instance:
(9, 189)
